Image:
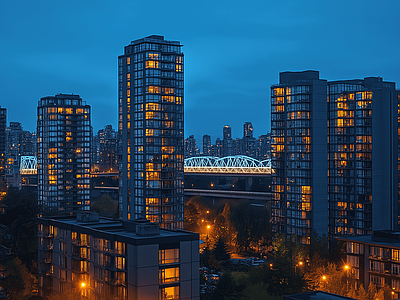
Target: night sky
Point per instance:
(234, 51)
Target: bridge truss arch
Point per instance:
(238, 164)
(28, 165)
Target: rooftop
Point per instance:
(380, 237)
(317, 295)
(140, 232)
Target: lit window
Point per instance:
(169, 275)
(168, 256)
(169, 293)
(152, 64)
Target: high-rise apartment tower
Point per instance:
(150, 77)
(335, 154)
(63, 131)
(362, 115)
(299, 154)
(3, 141)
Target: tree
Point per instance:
(228, 288)
(251, 224)
(191, 216)
(21, 219)
(220, 252)
(105, 206)
(19, 282)
(258, 291)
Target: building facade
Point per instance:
(105, 150)
(363, 150)
(356, 178)
(3, 142)
(63, 131)
(101, 259)
(299, 154)
(375, 259)
(207, 147)
(151, 125)
(191, 149)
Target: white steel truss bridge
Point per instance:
(238, 164)
(28, 165)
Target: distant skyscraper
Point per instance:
(14, 145)
(247, 130)
(63, 130)
(299, 154)
(227, 132)
(217, 148)
(263, 147)
(207, 148)
(3, 141)
(227, 141)
(151, 124)
(105, 149)
(248, 141)
(191, 149)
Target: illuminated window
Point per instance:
(128, 60)
(169, 293)
(153, 56)
(395, 255)
(153, 89)
(152, 64)
(169, 275)
(168, 256)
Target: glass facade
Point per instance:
(291, 155)
(3, 141)
(341, 140)
(151, 124)
(350, 159)
(63, 131)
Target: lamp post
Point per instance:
(208, 229)
(299, 264)
(347, 268)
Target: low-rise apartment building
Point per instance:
(102, 258)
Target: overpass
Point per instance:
(264, 196)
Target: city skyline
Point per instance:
(79, 57)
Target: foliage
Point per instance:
(258, 291)
(19, 282)
(229, 288)
(191, 217)
(21, 218)
(105, 206)
(220, 252)
(251, 224)
(224, 227)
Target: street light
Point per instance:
(208, 229)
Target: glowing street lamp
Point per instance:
(83, 284)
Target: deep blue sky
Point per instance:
(234, 51)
